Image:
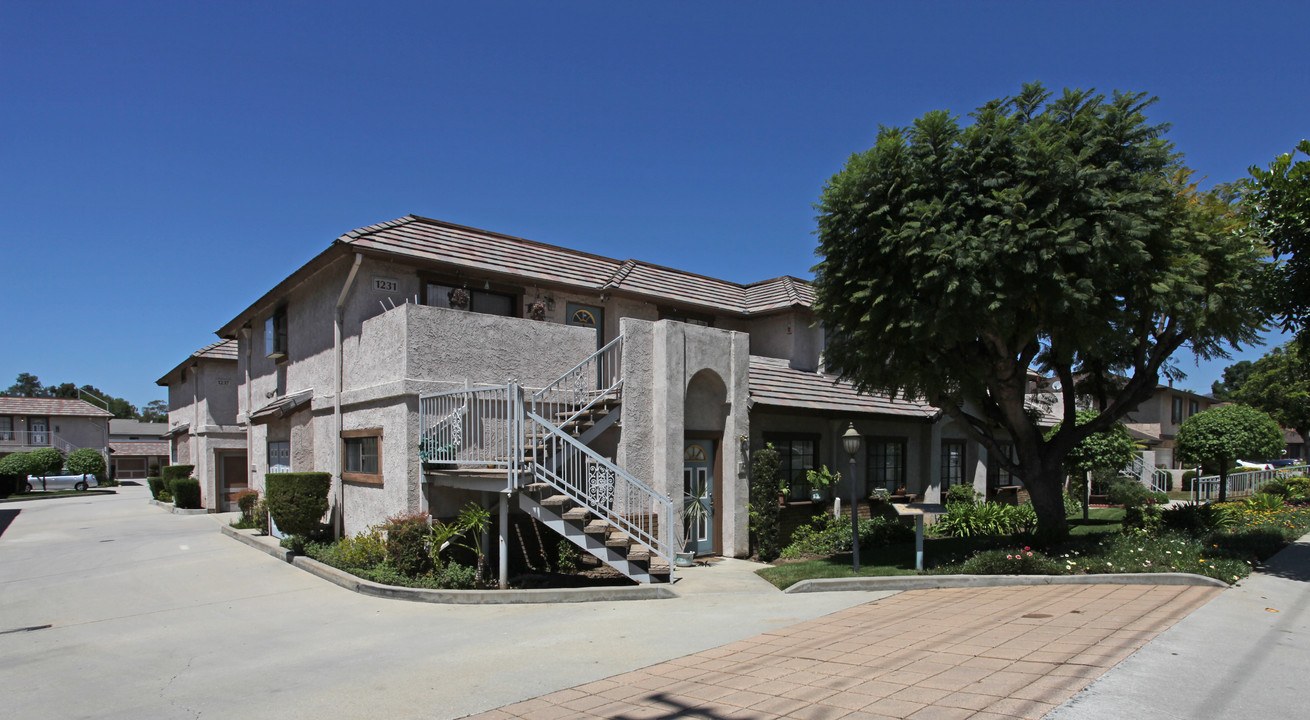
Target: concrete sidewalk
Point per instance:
(1244, 655)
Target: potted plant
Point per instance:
(694, 511)
(820, 480)
(459, 298)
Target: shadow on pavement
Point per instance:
(6, 517)
(1291, 563)
(677, 709)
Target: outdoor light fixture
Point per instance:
(850, 440)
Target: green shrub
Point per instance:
(365, 550)
(961, 495)
(86, 461)
(1072, 505)
(297, 501)
(826, 535)
(407, 543)
(246, 500)
(172, 472)
(186, 493)
(1145, 519)
(1127, 492)
(261, 516)
(156, 486)
(1011, 562)
(1298, 488)
(46, 461)
(766, 481)
(988, 518)
(453, 576)
(165, 496)
(1195, 518)
(1267, 502)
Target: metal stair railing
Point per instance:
(1159, 480)
(36, 438)
(580, 389)
(479, 427)
(1242, 484)
(603, 488)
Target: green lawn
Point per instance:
(899, 559)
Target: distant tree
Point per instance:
(1218, 437)
(1277, 203)
(1057, 234)
(155, 411)
(27, 385)
(1109, 450)
(1234, 376)
(1279, 384)
(46, 461)
(86, 461)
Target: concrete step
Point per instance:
(597, 527)
(577, 514)
(558, 503)
(618, 540)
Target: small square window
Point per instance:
(362, 461)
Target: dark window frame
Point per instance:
(509, 292)
(1193, 407)
(1176, 410)
(798, 488)
(275, 334)
(996, 473)
(875, 476)
(947, 480)
(359, 476)
(7, 434)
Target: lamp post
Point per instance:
(851, 442)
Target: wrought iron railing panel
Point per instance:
(1243, 484)
(605, 489)
(476, 428)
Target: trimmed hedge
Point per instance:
(156, 486)
(173, 472)
(186, 493)
(297, 501)
(12, 485)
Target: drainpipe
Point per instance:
(250, 429)
(337, 331)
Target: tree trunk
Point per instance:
(1046, 491)
(1223, 482)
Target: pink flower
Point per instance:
(1009, 557)
(1030, 554)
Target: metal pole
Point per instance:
(918, 542)
(504, 541)
(855, 523)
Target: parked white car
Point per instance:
(62, 482)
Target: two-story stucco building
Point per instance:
(28, 424)
(426, 365)
(202, 422)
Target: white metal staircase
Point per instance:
(1156, 479)
(540, 445)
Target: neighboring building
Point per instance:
(202, 423)
(403, 360)
(27, 424)
(1158, 418)
(134, 447)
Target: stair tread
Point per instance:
(577, 513)
(557, 500)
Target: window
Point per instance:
(998, 475)
(1193, 407)
(6, 427)
(279, 456)
(275, 334)
(489, 302)
(952, 465)
(798, 454)
(670, 313)
(363, 456)
(886, 463)
(1177, 414)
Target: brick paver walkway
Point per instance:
(984, 653)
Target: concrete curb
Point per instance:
(33, 498)
(926, 582)
(177, 510)
(450, 597)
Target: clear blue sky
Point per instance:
(164, 164)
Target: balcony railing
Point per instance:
(34, 439)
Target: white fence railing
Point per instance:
(480, 427)
(35, 439)
(1242, 484)
(1156, 479)
(603, 488)
(582, 387)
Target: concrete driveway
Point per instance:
(113, 608)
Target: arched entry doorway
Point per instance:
(705, 411)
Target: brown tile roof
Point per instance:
(774, 383)
(221, 350)
(138, 448)
(50, 406)
(531, 261)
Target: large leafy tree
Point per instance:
(1277, 202)
(27, 385)
(1234, 375)
(1220, 436)
(155, 411)
(45, 462)
(1279, 384)
(1106, 451)
(1057, 233)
